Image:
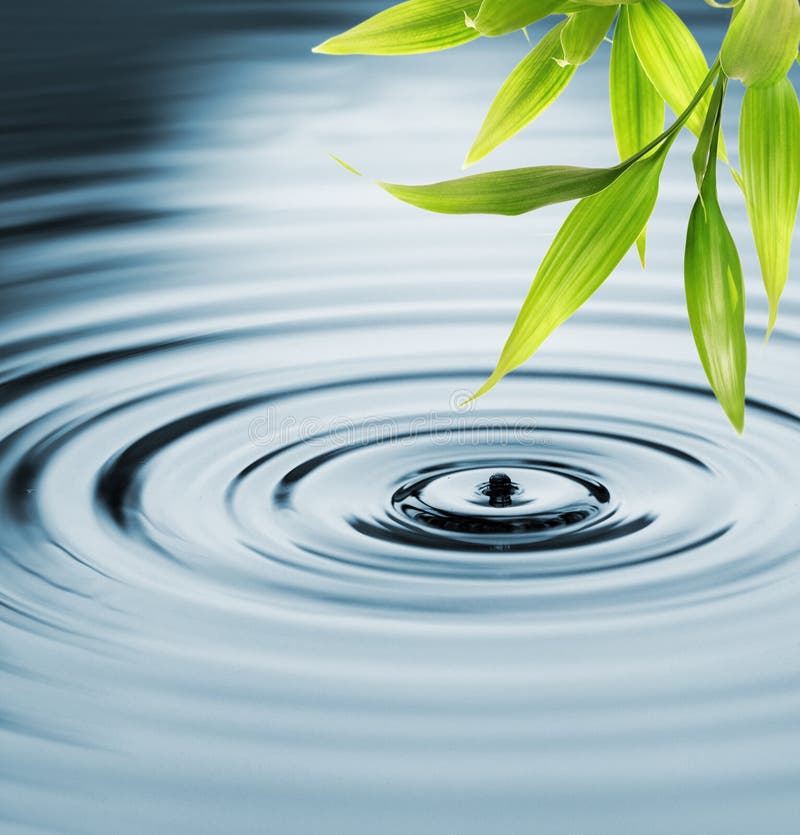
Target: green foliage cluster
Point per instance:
(655, 62)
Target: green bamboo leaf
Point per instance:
(499, 17)
(510, 192)
(671, 57)
(761, 43)
(769, 138)
(637, 109)
(584, 32)
(592, 241)
(715, 290)
(702, 154)
(534, 84)
(519, 190)
(345, 165)
(408, 28)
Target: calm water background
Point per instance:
(246, 581)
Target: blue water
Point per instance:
(252, 577)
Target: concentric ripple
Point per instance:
(356, 490)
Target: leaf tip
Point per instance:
(493, 379)
(391, 189)
(735, 411)
(773, 318)
(475, 154)
(641, 249)
(345, 165)
(338, 45)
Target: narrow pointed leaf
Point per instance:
(584, 32)
(592, 241)
(715, 300)
(345, 165)
(519, 190)
(769, 140)
(534, 84)
(701, 158)
(761, 43)
(715, 294)
(671, 57)
(499, 17)
(637, 109)
(510, 192)
(408, 28)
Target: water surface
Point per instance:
(253, 576)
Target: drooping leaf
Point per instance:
(701, 155)
(592, 241)
(637, 109)
(519, 190)
(584, 32)
(534, 84)
(671, 57)
(715, 290)
(510, 192)
(715, 300)
(769, 142)
(408, 28)
(499, 17)
(761, 43)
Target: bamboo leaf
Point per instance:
(510, 192)
(715, 291)
(519, 190)
(701, 158)
(637, 109)
(584, 32)
(534, 84)
(769, 138)
(408, 28)
(499, 17)
(345, 165)
(592, 241)
(761, 43)
(715, 301)
(671, 57)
